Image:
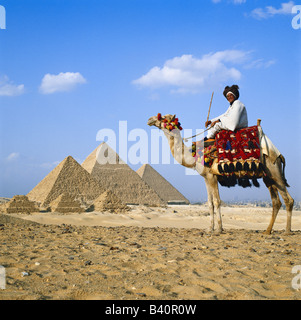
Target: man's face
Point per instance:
(230, 97)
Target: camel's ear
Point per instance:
(173, 117)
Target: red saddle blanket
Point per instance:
(242, 144)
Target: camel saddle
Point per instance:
(234, 156)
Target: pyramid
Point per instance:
(164, 189)
(21, 204)
(113, 174)
(70, 177)
(66, 203)
(108, 201)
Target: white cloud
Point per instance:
(62, 82)
(269, 11)
(9, 89)
(260, 64)
(49, 165)
(187, 74)
(13, 156)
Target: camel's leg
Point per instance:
(276, 181)
(219, 218)
(214, 201)
(289, 203)
(217, 206)
(210, 203)
(276, 206)
(211, 208)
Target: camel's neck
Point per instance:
(178, 149)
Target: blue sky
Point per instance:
(69, 68)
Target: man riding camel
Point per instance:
(234, 118)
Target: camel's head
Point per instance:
(168, 122)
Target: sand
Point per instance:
(149, 253)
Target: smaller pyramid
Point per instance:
(66, 204)
(163, 188)
(67, 177)
(108, 201)
(21, 204)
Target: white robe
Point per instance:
(267, 147)
(234, 118)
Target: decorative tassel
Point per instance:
(260, 167)
(255, 182)
(220, 179)
(220, 169)
(246, 183)
(226, 168)
(227, 181)
(238, 166)
(240, 181)
(246, 166)
(232, 180)
(231, 167)
(253, 166)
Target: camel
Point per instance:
(273, 167)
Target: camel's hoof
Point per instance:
(218, 232)
(268, 232)
(288, 233)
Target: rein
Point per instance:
(186, 139)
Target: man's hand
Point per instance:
(207, 123)
(214, 123)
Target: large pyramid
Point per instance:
(105, 166)
(164, 189)
(68, 177)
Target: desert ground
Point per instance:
(149, 253)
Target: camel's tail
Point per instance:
(283, 167)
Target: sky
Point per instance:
(72, 68)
